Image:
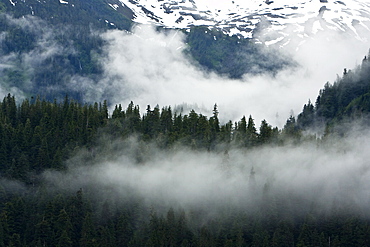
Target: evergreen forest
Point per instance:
(74, 172)
(40, 138)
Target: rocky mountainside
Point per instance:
(56, 47)
(278, 18)
(46, 47)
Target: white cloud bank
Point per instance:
(299, 177)
(149, 67)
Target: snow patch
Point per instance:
(241, 18)
(316, 27)
(272, 42)
(114, 6)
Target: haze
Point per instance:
(149, 68)
(333, 174)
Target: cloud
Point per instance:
(149, 67)
(325, 176)
(35, 63)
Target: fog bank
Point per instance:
(149, 67)
(307, 177)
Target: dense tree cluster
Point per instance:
(37, 135)
(168, 128)
(347, 97)
(41, 219)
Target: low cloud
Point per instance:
(34, 65)
(149, 67)
(301, 178)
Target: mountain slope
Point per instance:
(345, 100)
(53, 48)
(245, 18)
(85, 12)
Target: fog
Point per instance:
(149, 67)
(44, 49)
(311, 177)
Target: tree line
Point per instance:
(37, 135)
(167, 127)
(346, 99)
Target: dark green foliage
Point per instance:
(39, 135)
(291, 129)
(193, 130)
(307, 116)
(266, 132)
(346, 99)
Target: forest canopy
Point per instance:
(75, 173)
(60, 162)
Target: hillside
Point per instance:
(202, 170)
(72, 176)
(48, 46)
(95, 13)
(51, 48)
(344, 100)
(277, 22)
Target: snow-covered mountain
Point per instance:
(278, 19)
(245, 18)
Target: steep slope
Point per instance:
(94, 13)
(278, 18)
(53, 48)
(345, 100)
